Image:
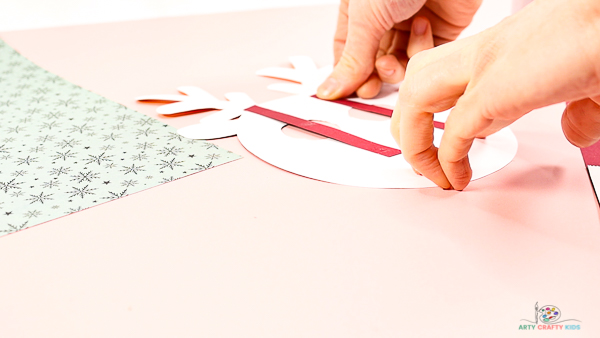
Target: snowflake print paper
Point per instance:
(64, 149)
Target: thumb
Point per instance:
(358, 57)
(581, 122)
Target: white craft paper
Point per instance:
(327, 159)
(217, 125)
(594, 172)
(308, 78)
(305, 73)
(332, 161)
(194, 99)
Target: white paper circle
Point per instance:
(333, 161)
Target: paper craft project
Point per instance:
(333, 159)
(64, 149)
(332, 133)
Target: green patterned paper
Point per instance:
(64, 149)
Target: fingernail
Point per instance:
(328, 88)
(386, 72)
(419, 26)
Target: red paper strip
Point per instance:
(591, 154)
(366, 107)
(375, 109)
(324, 130)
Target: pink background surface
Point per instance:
(248, 250)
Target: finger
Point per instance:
(494, 127)
(464, 123)
(474, 115)
(402, 37)
(386, 42)
(398, 45)
(581, 122)
(426, 59)
(446, 23)
(435, 87)
(388, 67)
(416, 66)
(370, 88)
(415, 135)
(388, 64)
(341, 32)
(421, 36)
(391, 62)
(390, 70)
(358, 57)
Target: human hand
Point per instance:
(547, 53)
(375, 39)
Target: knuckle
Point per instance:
(465, 9)
(422, 160)
(483, 101)
(418, 60)
(487, 55)
(450, 158)
(459, 174)
(397, 9)
(406, 91)
(411, 93)
(460, 181)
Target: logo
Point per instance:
(548, 317)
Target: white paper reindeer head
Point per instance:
(322, 159)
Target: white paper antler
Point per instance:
(309, 78)
(217, 125)
(194, 99)
(305, 73)
(222, 123)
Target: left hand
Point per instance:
(375, 39)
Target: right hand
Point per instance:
(547, 53)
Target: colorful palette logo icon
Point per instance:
(549, 314)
